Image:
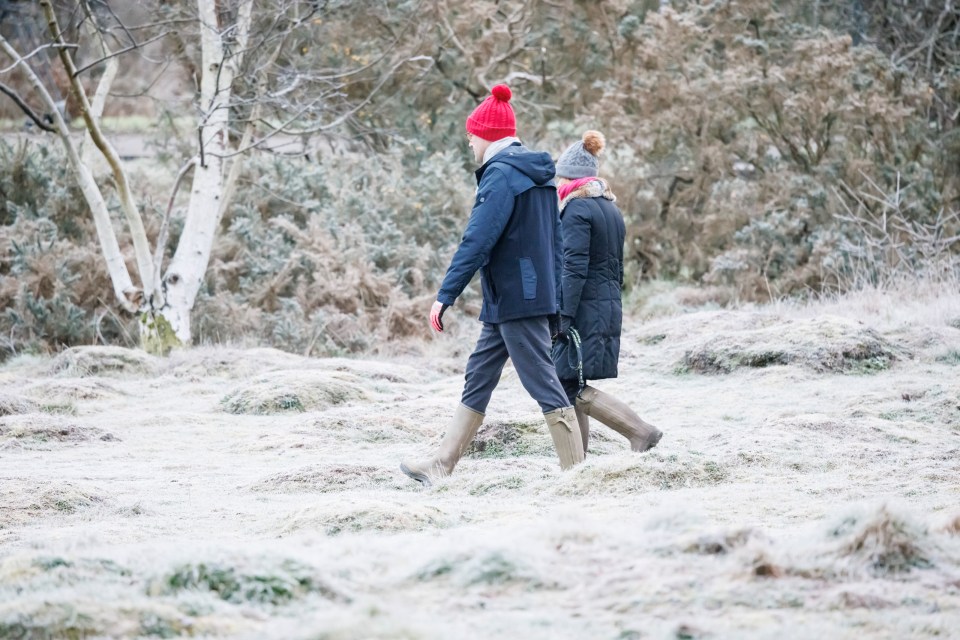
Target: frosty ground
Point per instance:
(807, 485)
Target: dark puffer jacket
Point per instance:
(512, 237)
(592, 277)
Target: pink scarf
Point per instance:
(565, 190)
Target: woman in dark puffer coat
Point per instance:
(591, 281)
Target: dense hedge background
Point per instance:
(760, 149)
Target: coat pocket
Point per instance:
(528, 278)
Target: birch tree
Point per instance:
(247, 85)
(177, 289)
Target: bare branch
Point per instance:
(26, 108)
(132, 47)
(35, 52)
(342, 117)
(115, 17)
(276, 130)
(236, 166)
(150, 85)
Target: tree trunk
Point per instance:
(138, 234)
(89, 153)
(184, 277)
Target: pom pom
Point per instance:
(502, 92)
(593, 142)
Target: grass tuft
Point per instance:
(825, 344)
(626, 474)
(484, 568)
(275, 586)
(293, 391)
(80, 362)
(40, 430)
(15, 405)
(881, 543)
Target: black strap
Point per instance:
(574, 336)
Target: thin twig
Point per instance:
(26, 109)
(117, 53)
(52, 45)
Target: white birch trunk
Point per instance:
(88, 150)
(184, 276)
(138, 234)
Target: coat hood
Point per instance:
(536, 165)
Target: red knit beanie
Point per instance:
(494, 118)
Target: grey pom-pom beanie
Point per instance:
(580, 160)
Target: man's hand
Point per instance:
(436, 316)
(565, 324)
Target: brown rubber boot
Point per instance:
(584, 420)
(565, 432)
(619, 417)
(463, 427)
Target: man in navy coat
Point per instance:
(513, 238)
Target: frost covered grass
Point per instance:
(256, 494)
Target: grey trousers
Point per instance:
(527, 343)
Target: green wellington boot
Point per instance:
(463, 427)
(565, 431)
(584, 421)
(619, 417)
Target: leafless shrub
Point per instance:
(52, 277)
(920, 36)
(893, 239)
(752, 149)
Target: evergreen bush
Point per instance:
(335, 256)
(54, 287)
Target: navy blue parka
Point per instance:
(593, 234)
(513, 237)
